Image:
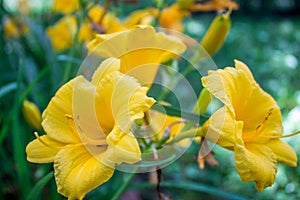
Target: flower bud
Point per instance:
(32, 115)
(203, 102)
(216, 34)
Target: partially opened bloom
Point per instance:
(163, 125)
(140, 50)
(171, 17)
(249, 123)
(214, 5)
(88, 126)
(62, 33)
(141, 17)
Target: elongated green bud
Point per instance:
(216, 33)
(203, 102)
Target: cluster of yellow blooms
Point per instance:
(85, 151)
(98, 20)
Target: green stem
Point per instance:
(191, 133)
(123, 187)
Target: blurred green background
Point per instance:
(264, 34)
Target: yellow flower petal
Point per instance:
(38, 152)
(141, 17)
(121, 100)
(171, 17)
(140, 47)
(133, 104)
(123, 147)
(77, 171)
(284, 152)
(229, 86)
(84, 112)
(160, 122)
(62, 40)
(86, 32)
(107, 66)
(254, 162)
(55, 121)
(242, 66)
(220, 127)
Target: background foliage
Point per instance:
(264, 34)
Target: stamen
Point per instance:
(291, 134)
(44, 143)
(58, 147)
(72, 124)
(85, 140)
(281, 136)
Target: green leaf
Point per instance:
(7, 88)
(36, 190)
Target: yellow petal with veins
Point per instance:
(140, 50)
(77, 171)
(254, 162)
(55, 123)
(229, 86)
(284, 152)
(84, 112)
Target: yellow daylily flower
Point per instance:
(62, 33)
(88, 126)
(140, 50)
(249, 123)
(65, 6)
(109, 23)
(96, 24)
(32, 115)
